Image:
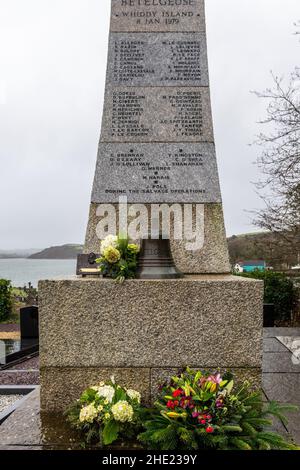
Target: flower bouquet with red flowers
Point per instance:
(199, 410)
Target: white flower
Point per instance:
(134, 395)
(107, 391)
(88, 414)
(109, 241)
(122, 411)
(96, 387)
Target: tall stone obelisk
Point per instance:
(156, 146)
(157, 142)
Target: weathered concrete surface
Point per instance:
(60, 386)
(149, 323)
(90, 328)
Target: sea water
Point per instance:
(22, 271)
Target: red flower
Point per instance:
(203, 421)
(176, 403)
(183, 403)
(186, 402)
(177, 393)
(209, 429)
(171, 404)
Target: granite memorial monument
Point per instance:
(156, 147)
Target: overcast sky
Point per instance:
(52, 77)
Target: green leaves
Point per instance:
(276, 441)
(229, 386)
(91, 434)
(259, 422)
(187, 437)
(249, 429)
(120, 395)
(231, 428)
(223, 383)
(122, 244)
(263, 445)
(110, 432)
(240, 444)
(279, 409)
(278, 290)
(198, 376)
(88, 396)
(163, 437)
(5, 299)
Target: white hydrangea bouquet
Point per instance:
(118, 258)
(105, 413)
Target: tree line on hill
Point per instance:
(267, 246)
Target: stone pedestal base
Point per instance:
(144, 331)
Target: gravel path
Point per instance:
(24, 373)
(16, 377)
(30, 364)
(8, 400)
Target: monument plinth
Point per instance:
(156, 148)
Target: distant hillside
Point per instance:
(17, 253)
(256, 245)
(262, 246)
(10, 256)
(59, 252)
